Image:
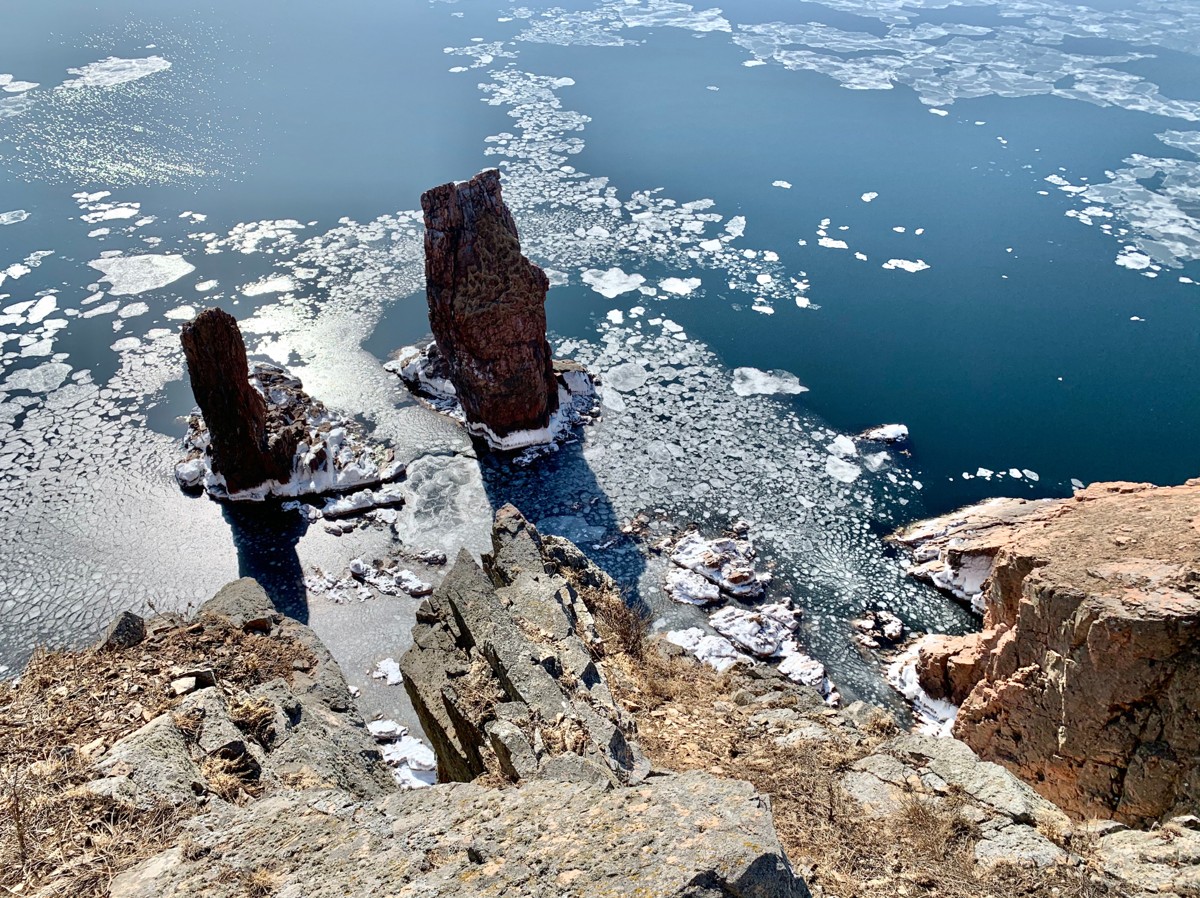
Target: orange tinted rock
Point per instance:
(1086, 679)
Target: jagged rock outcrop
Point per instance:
(505, 681)
(487, 309)
(502, 673)
(241, 448)
(301, 731)
(259, 433)
(1084, 679)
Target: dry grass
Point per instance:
(67, 708)
(478, 693)
(59, 836)
(688, 720)
(254, 716)
(623, 629)
(259, 882)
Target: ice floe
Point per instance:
(727, 563)
(679, 286)
(113, 71)
(761, 632)
(906, 265)
(14, 217)
(715, 651)
(842, 470)
(613, 282)
(887, 433)
(690, 588)
(278, 284)
(131, 275)
(755, 382)
(41, 379)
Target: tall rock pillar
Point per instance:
(234, 412)
(487, 309)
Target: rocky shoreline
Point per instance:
(1084, 678)
(705, 761)
(576, 756)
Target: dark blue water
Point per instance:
(1014, 349)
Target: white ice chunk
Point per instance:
(130, 275)
(887, 433)
(906, 265)
(679, 286)
(840, 469)
(387, 670)
(755, 382)
(613, 282)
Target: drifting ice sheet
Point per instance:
(755, 382)
(130, 275)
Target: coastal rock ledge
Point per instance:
(510, 689)
(1084, 680)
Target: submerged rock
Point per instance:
(487, 309)
(1084, 678)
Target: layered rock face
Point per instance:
(502, 674)
(487, 309)
(1085, 678)
(236, 413)
(505, 681)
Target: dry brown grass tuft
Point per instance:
(259, 882)
(478, 693)
(234, 779)
(65, 839)
(254, 716)
(623, 628)
(67, 708)
(687, 720)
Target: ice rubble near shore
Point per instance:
(934, 716)
(425, 372)
(710, 571)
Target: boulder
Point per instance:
(244, 604)
(487, 310)
(680, 836)
(277, 734)
(126, 631)
(1083, 681)
(502, 672)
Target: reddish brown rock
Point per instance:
(487, 310)
(948, 667)
(244, 449)
(1086, 679)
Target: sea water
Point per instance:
(768, 227)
